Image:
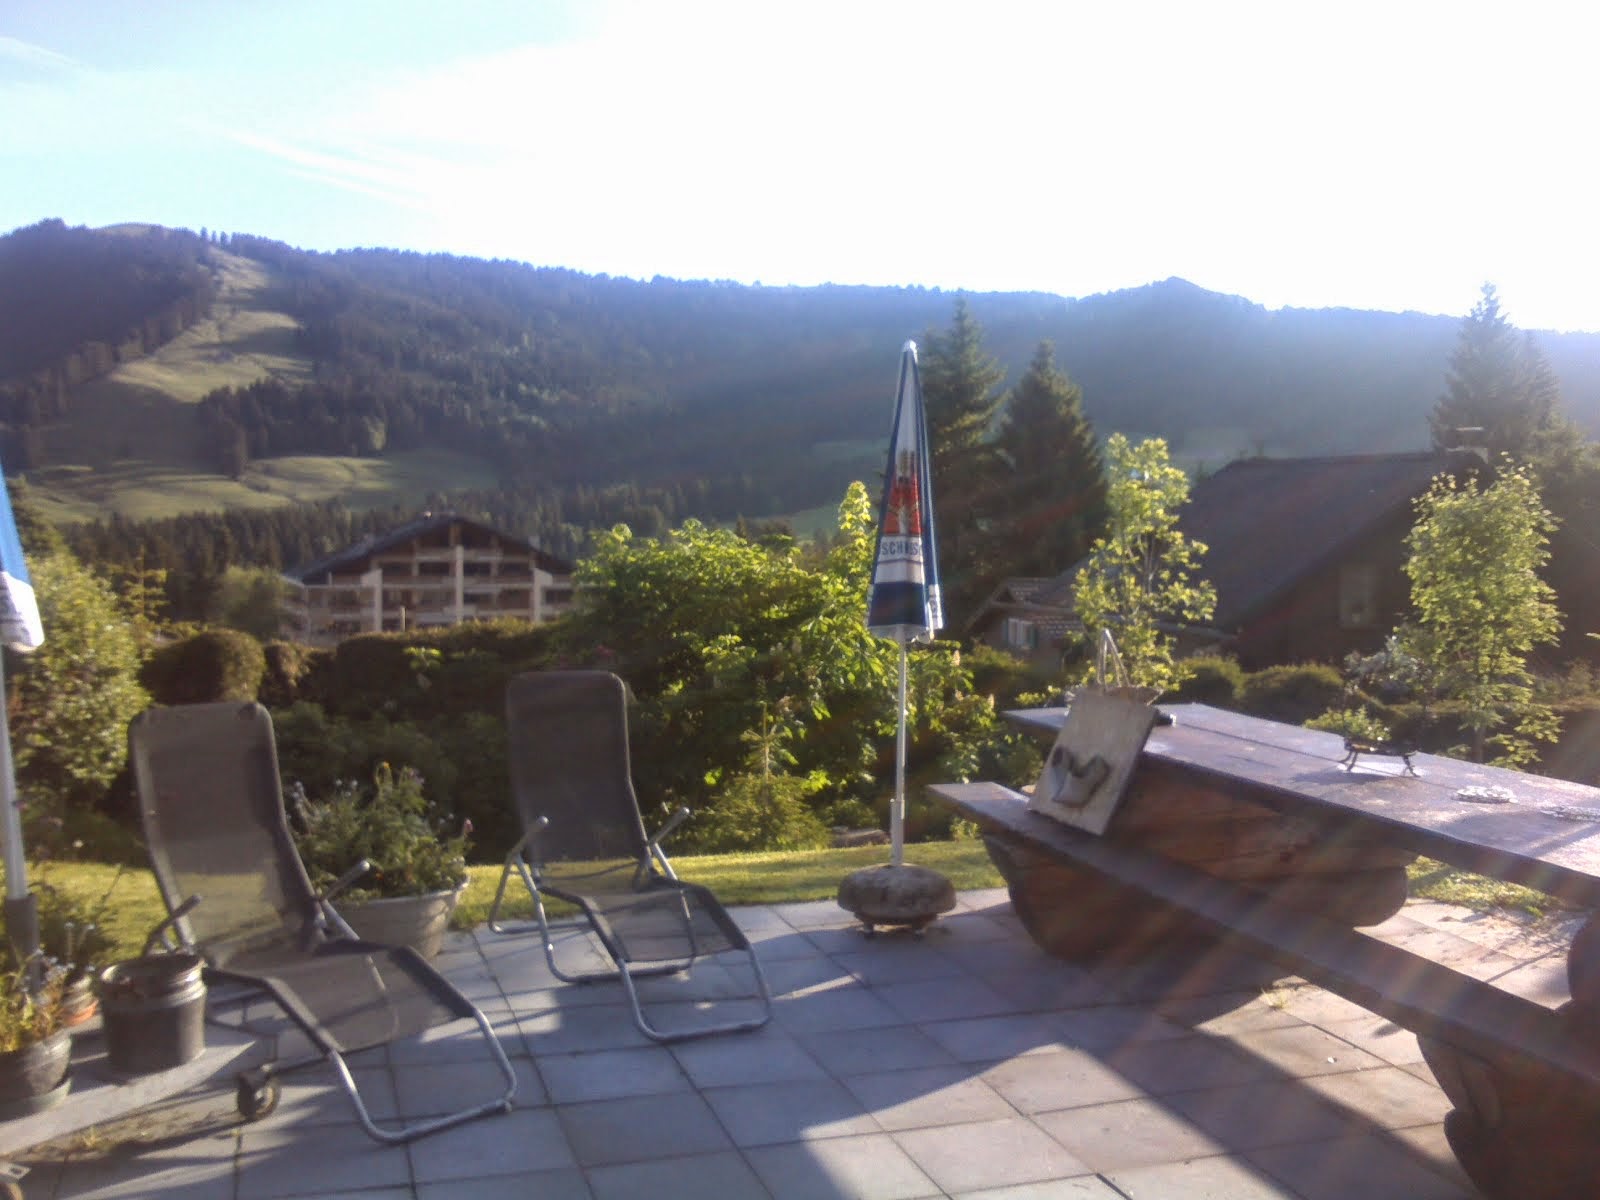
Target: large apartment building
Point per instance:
(437, 570)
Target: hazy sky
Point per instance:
(1392, 155)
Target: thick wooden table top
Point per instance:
(1547, 836)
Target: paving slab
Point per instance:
(962, 1063)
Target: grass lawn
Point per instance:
(768, 878)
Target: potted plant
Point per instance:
(418, 870)
(73, 934)
(35, 1042)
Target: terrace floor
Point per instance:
(962, 1063)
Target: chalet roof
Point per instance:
(355, 555)
(1047, 602)
(1270, 522)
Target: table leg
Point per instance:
(1520, 1130)
(1076, 914)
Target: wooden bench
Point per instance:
(1257, 833)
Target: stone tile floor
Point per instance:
(962, 1063)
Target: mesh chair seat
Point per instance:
(357, 995)
(212, 806)
(584, 843)
(660, 921)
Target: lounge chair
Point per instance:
(238, 896)
(584, 843)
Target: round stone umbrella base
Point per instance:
(889, 895)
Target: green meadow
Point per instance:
(131, 443)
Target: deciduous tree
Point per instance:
(1481, 607)
(1142, 576)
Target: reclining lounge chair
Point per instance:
(238, 896)
(570, 778)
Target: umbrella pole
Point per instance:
(897, 810)
(22, 912)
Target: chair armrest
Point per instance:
(158, 936)
(527, 840)
(653, 846)
(667, 830)
(345, 880)
(328, 921)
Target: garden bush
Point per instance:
(1211, 679)
(370, 673)
(213, 664)
(287, 664)
(752, 812)
(1292, 694)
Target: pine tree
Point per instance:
(1050, 497)
(960, 383)
(1498, 381)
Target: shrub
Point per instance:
(318, 751)
(1292, 694)
(474, 743)
(370, 673)
(287, 664)
(73, 697)
(1209, 679)
(1351, 722)
(756, 812)
(214, 664)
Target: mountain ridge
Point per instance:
(544, 376)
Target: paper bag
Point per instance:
(1088, 769)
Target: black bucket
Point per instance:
(153, 1012)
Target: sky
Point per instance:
(1393, 155)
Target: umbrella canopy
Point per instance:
(904, 604)
(21, 630)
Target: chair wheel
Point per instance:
(10, 1189)
(257, 1100)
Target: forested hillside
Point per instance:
(591, 399)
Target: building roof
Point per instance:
(1268, 523)
(355, 555)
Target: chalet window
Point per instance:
(1358, 596)
(1021, 635)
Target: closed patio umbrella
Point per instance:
(21, 630)
(905, 605)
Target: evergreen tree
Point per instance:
(1498, 381)
(1050, 497)
(960, 383)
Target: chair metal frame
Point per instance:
(323, 932)
(651, 872)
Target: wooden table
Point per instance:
(1255, 832)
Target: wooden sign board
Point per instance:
(1088, 769)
